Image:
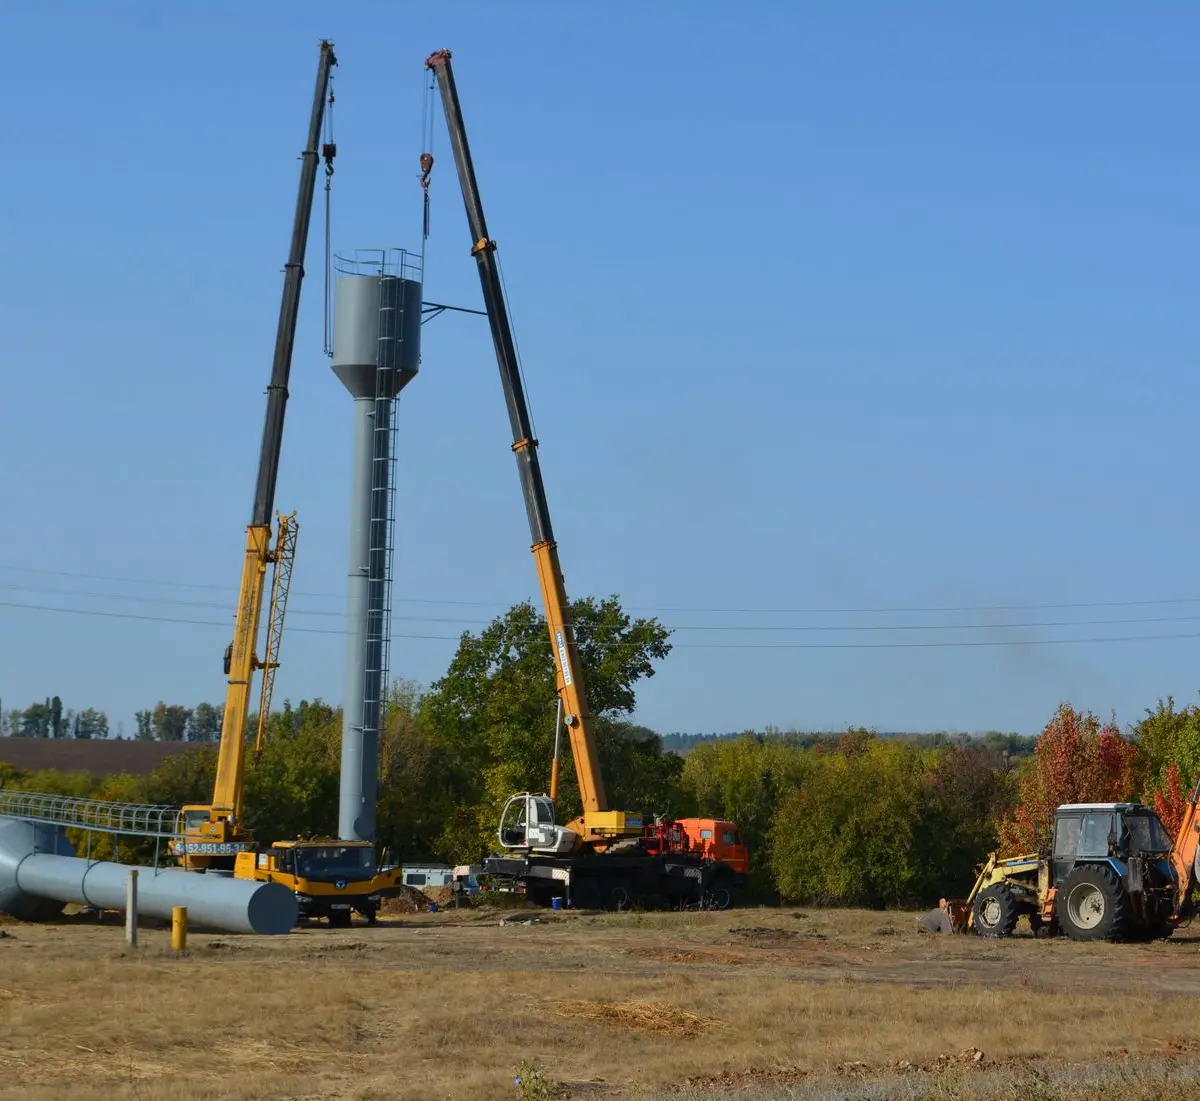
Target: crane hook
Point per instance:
(426, 168)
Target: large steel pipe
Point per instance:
(39, 872)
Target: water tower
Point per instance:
(376, 353)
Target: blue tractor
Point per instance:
(1112, 873)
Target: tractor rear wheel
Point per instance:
(1093, 904)
(995, 911)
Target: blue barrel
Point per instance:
(556, 903)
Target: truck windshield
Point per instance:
(1146, 834)
(335, 860)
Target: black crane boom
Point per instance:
(289, 308)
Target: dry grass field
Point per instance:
(753, 1004)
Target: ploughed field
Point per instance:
(749, 1003)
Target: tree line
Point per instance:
(163, 722)
(855, 818)
(49, 719)
(1007, 744)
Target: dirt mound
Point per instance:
(407, 901)
(443, 896)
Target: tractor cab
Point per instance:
(1110, 871)
(1103, 831)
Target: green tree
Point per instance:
(56, 718)
(145, 725)
(1166, 734)
(966, 791)
(205, 724)
(744, 781)
(848, 835)
(35, 721)
(292, 790)
(414, 801)
(170, 721)
(640, 776)
(493, 711)
(90, 723)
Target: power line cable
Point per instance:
(803, 627)
(908, 644)
(859, 610)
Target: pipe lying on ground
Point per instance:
(40, 873)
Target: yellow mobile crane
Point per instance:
(213, 832)
(604, 857)
(330, 878)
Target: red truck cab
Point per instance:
(718, 841)
(711, 839)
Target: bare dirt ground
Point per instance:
(751, 1003)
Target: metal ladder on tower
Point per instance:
(383, 497)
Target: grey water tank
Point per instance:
(39, 873)
(376, 323)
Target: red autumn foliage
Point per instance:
(1170, 801)
(1077, 760)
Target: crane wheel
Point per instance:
(620, 897)
(995, 911)
(719, 894)
(1093, 904)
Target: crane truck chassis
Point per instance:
(676, 863)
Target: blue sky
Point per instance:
(836, 320)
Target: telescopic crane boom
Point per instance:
(576, 717)
(214, 832)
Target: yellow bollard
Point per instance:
(178, 928)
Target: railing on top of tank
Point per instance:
(379, 261)
(138, 819)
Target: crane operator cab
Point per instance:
(527, 822)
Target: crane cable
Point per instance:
(428, 95)
(329, 151)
